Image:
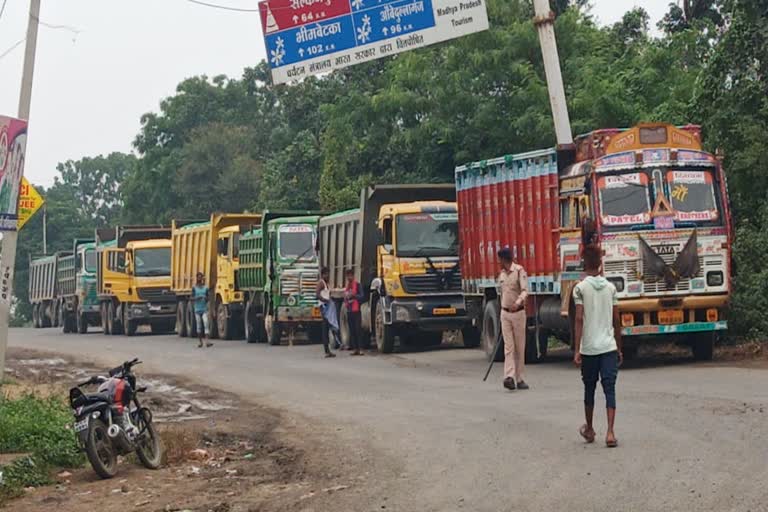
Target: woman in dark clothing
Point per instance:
(353, 298)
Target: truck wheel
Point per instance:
(82, 323)
(63, 320)
(115, 326)
(105, 327)
(471, 336)
(492, 331)
(703, 346)
(130, 326)
(56, 314)
(181, 319)
(250, 325)
(191, 321)
(534, 354)
(35, 316)
(385, 334)
(274, 330)
(223, 323)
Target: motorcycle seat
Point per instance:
(92, 398)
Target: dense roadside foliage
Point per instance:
(241, 143)
(38, 428)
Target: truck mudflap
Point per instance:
(299, 314)
(643, 330)
(429, 313)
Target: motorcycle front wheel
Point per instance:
(99, 450)
(149, 449)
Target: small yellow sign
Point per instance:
(30, 201)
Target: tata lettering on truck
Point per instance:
(134, 279)
(649, 196)
(402, 244)
(212, 248)
(278, 275)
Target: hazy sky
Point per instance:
(91, 88)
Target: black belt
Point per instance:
(510, 311)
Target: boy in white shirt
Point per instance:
(598, 341)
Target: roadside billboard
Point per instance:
(13, 144)
(309, 37)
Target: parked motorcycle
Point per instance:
(112, 421)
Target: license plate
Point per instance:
(444, 311)
(316, 312)
(671, 316)
(155, 308)
(81, 425)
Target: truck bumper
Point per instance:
(439, 313)
(143, 313)
(702, 313)
(299, 314)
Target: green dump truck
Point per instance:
(278, 274)
(43, 289)
(77, 301)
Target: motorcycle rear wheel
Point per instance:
(149, 450)
(99, 450)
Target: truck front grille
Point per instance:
(303, 284)
(155, 295)
(432, 283)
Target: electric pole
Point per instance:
(8, 256)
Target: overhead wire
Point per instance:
(18, 43)
(223, 7)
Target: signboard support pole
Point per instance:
(45, 230)
(8, 257)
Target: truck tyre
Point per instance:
(82, 323)
(36, 316)
(223, 322)
(191, 321)
(130, 326)
(273, 329)
(385, 334)
(703, 346)
(534, 354)
(63, 321)
(105, 327)
(492, 330)
(251, 325)
(181, 319)
(56, 314)
(471, 336)
(115, 327)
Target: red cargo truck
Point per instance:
(654, 201)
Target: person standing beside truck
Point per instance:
(513, 281)
(200, 298)
(597, 341)
(328, 310)
(353, 298)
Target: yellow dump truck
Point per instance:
(134, 279)
(210, 247)
(402, 244)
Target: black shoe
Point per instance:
(523, 385)
(509, 383)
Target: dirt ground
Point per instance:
(223, 454)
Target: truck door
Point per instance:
(386, 247)
(114, 279)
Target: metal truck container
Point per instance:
(43, 289)
(648, 196)
(134, 277)
(278, 275)
(77, 302)
(210, 247)
(402, 246)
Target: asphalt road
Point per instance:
(436, 438)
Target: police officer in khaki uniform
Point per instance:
(513, 281)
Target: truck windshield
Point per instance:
(153, 262)
(427, 234)
(297, 242)
(624, 199)
(692, 195)
(90, 260)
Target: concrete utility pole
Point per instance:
(544, 21)
(8, 257)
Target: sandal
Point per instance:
(589, 437)
(612, 444)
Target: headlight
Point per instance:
(715, 278)
(292, 300)
(402, 314)
(618, 282)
